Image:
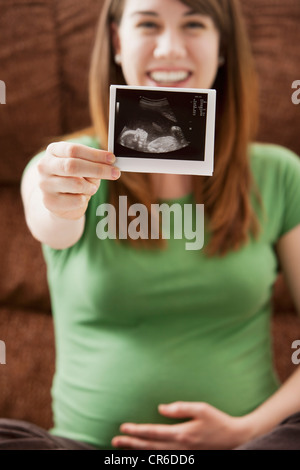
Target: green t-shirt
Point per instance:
(136, 328)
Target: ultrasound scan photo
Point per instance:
(157, 124)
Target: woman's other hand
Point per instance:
(207, 428)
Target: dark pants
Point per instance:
(286, 436)
(20, 435)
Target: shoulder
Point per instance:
(276, 174)
(274, 167)
(272, 158)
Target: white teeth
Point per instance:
(169, 77)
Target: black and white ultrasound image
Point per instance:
(159, 124)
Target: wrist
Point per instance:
(256, 424)
(247, 429)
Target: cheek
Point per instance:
(206, 54)
(133, 44)
(135, 56)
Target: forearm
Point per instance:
(47, 228)
(286, 400)
(283, 403)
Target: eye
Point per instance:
(147, 25)
(195, 25)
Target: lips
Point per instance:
(169, 76)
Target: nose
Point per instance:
(169, 45)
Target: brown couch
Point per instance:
(44, 58)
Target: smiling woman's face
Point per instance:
(166, 43)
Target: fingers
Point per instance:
(93, 181)
(77, 168)
(79, 151)
(69, 185)
(75, 160)
(163, 432)
(127, 442)
(184, 409)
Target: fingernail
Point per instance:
(127, 427)
(115, 442)
(116, 173)
(110, 158)
(124, 427)
(94, 189)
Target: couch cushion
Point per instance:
(44, 56)
(76, 24)
(29, 68)
(23, 271)
(25, 379)
(275, 36)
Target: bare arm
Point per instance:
(56, 191)
(286, 400)
(46, 227)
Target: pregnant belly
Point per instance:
(90, 405)
(96, 394)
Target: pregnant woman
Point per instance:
(159, 347)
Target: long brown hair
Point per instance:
(227, 194)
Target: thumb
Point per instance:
(182, 409)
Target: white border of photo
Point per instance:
(168, 166)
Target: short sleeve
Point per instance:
(291, 185)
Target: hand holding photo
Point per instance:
(162, 130)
